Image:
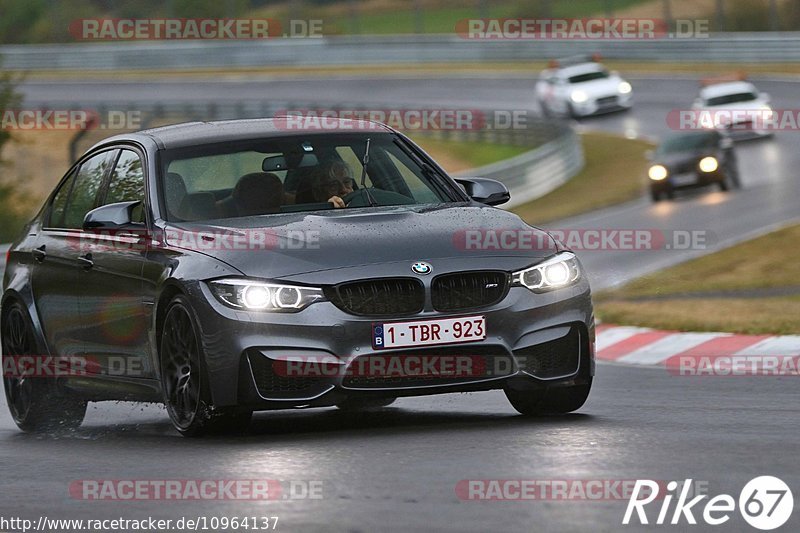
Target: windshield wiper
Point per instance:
(364, 163)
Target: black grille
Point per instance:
(379, 297)
(468, 290)
(272, 382)
(553, 359)
(466, 364)
(607, 101)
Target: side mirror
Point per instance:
(110, 217)
(485, 190)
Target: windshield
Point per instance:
(732, 98)
(689, 142)
(589, 76)
(292, 174)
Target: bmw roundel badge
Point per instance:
(422, 268)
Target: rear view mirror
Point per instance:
(274, 163)
(485, 190)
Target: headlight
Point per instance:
(578, 96)
(260, 296)
(709, 164)
(657, 172)
(624, 87)
(557, 272)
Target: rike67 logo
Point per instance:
(766, 503)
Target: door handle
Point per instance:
(39, 253)
(86, 261)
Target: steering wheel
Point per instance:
(349, 197)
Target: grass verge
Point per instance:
(704, 294)
(613, 174)
(456, 156)
(531, 68)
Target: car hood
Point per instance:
(598, 88)
(287, 245)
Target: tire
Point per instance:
(655, 196)
(35, 403)
(723, 184)
(364, 404)
(184, 378)
(733, 176)
(554, 401)
(546, 113)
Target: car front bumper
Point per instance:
(253, 359)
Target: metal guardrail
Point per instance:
(355, 50)
(533, 174)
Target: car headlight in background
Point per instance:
(709, 164)
(657, 172)
(261, 296)
(557, 272)
(624, 87)
(578, 97)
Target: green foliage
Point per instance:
(11, 217)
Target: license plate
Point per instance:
(428, 332)
(684, 179)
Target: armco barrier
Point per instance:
(533, 174)
(732, 47)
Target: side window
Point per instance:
(127, 183)
(84, 190)
(59, 204)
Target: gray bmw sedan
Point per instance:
(227, 267)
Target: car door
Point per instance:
(55, 281)
(112, 308)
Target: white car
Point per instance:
(581, 87)
(737, 106)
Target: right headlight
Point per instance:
(557, 272)
(254, 295)
(657, 172)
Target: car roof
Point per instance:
(198, 133)
(582, 68)
(730, 87)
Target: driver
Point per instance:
(333, 182)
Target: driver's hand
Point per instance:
(336, 201)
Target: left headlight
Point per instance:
(557, 272)
(255, 295)
(624, 87)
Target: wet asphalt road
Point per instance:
(396, 470)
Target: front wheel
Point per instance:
(35, 403)
(184, 380)
(554, 401)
